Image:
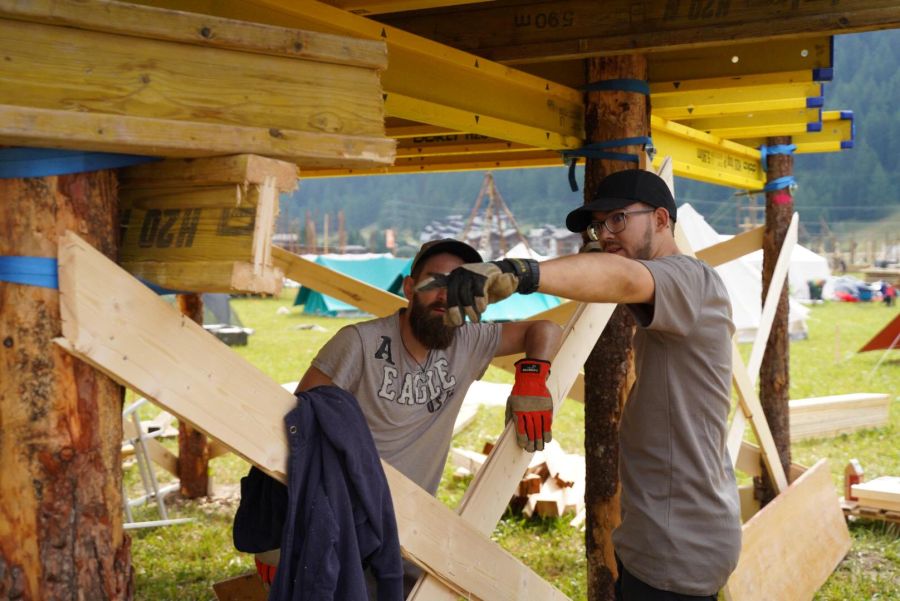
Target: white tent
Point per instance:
(742, 278)
(805, 266)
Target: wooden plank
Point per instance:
(208, 276)
(342, 287)
(465, 417)
(203, 30)
(139, 77)
(749, 460)
(240, 169)
(536, 111)
(749, 504)
(880, 493)
(837, 414)
(488, 494)
(158, 453)
(733, 248)
(170, 138)
(471, 460)
(794, 544)
(576, 29)
(120, 327)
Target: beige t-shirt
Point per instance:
(681, 528)
(410, 408)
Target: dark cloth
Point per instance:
(631, 588)
(339, 517)
(260, 516)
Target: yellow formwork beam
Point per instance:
(838, 133)
(696, 155)
(775, 78)
(704, 157)
(742, 59)
(456, 89)
(762, 124)
(687, 105)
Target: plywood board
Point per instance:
(882, 493)
(793, 544)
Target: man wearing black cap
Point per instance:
(410, 372)
(680, 535)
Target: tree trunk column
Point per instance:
(774, 373)
(61, 511)
(609, 370)
(193, 450)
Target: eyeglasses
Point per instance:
(614, 223)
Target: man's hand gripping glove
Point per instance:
(530, 404)
(471, 287)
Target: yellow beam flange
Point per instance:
(837, 134)
(462, 91)
(456, 144)
(442, 115)
(459, 162)
(687, 105)
(704, 157)
(775, 78)
(762, 123)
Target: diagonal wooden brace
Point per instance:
(116, 324)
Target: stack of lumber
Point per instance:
(99, 75)
(204, 225)
(878, 499)
(838, 414)
(552, 486)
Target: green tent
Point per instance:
(375, 271)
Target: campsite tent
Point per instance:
(805, 266)
(742, 279)
(378, 270)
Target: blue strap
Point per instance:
(780, 184)
(765, 151)
(638, 86)
(43, 162)
(31, 271)
(597, 150)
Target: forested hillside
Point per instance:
(857, 185)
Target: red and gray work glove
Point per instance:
(530, 404)
(471, 287)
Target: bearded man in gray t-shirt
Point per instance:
(680, 535)
(410, 372)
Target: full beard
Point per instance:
(430, 330)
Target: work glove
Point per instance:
(530, 405)
(471, 287)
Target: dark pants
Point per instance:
(630, 588)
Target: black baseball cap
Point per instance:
(446, 245)
(621, 189)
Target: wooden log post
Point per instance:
(193, 446)
(609, 370)
(774, 373)
(61, 534)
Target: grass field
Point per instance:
(182, 561)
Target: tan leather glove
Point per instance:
(471, 287)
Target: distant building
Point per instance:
(554, 241)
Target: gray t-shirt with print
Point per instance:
(410, 408)
(681, 528)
